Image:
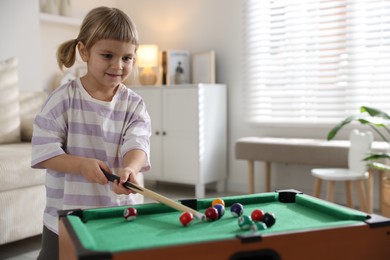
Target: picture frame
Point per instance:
(176, 67)
(203, 67)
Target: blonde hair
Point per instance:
(100, 23)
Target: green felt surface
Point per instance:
(157, 225)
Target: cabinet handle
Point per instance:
(164, 133)
(157, 133)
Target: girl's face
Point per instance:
(109, 63)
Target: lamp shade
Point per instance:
(147, 55)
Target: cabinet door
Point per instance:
(153, 101)
(180, 124)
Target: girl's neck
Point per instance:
(96, 92)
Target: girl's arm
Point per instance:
(87, 167)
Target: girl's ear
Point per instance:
(83, 51)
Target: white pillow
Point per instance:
(9, 102)
(30, 103)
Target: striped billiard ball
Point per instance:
(130, 214)
(237, 209)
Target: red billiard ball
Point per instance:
(130, 214)
(221, 210)
(257, 215)
(186, 218)
(211, 214)
(269, 219)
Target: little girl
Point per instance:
(91, 124)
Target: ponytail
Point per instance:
(100, 23)
(66, 54)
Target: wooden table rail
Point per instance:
(314, 152)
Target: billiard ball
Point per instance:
(218, 201)
(269, 219)
(130, 214)
(257, 215)
(186, 218)
(211, 214)
(221, 210)
(237, 209)
(245, 222)
(257, 226)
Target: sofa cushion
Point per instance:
(30, 104)
(9, 102)
(15, 170)
(26, 126)
(21, 215)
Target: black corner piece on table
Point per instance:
(288, 196)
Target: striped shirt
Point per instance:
(73, 122)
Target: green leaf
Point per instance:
(377, 156)
(374, 112)
(332, 133)
(379, 166)
(372, 121)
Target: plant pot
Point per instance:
(385, 196)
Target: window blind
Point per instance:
(312, 61)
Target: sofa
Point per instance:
(22, 189)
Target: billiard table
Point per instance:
(305, 228)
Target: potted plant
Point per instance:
(378, 121)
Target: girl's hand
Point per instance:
(91, 169)
(126, 174)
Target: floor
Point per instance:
(28, 249)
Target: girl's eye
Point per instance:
(128, 59)
(107, 56)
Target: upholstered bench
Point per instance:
(314, 152)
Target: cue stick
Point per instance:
(155, 196)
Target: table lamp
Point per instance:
(147, 60)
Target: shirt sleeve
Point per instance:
(49, 131)
(138, 132)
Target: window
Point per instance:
(315, 61)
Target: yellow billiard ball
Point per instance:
(218, 201)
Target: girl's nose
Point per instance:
(117, 64)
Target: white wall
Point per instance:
(195, 25)
(19, 30)
(53, 34)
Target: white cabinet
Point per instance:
(189, 134)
